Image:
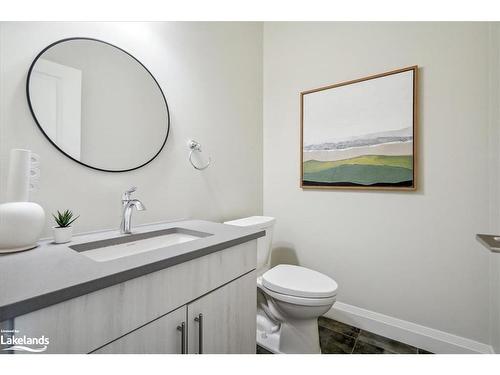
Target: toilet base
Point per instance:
(297, 337)
(269, 341)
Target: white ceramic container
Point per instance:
(21, 224)
(62, 235)
(24, 174)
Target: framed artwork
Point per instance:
(361, 134)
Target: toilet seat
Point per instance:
(301, 301)
(299, 282)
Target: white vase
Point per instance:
(21, 224)
(62, 235)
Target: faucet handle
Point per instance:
(126, 195)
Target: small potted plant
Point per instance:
(63, 231)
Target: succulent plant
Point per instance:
(64, 219)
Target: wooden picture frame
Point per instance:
(381, 159)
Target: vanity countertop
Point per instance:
(490, 241)
(53, 273)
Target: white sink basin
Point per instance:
(119, 247)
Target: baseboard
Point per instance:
(413, 334)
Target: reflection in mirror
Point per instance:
(98, 104)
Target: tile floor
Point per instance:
(339, 338)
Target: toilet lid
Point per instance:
(299, 281)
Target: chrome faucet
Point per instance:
(128, 204)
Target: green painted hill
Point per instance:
(403, 161)
(362, 174)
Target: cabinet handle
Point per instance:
(199, 319)
(182, 328)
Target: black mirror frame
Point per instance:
(54, 144)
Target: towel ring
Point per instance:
(195, 146)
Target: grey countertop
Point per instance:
(490, 241)
(53, 273)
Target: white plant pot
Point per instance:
(21, 224)
(62, 235)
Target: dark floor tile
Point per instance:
(338, 327)
(422, 351)
(365, 348)
(386, 343)
(332, 342)
(261, 350)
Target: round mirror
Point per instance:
(98, 104)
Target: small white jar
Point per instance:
(21, 225)
(62, 235)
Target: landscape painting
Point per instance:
(360, 134)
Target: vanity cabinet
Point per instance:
(141, 315)
(220, 322)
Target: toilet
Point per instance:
(290, 298)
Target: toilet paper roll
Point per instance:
(20, 174)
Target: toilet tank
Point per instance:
(264, 243)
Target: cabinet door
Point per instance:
(161, 336)
(227, 321)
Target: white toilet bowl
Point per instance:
(294, 299)
(290, 299)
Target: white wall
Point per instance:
(211, 74)
(412, 256)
